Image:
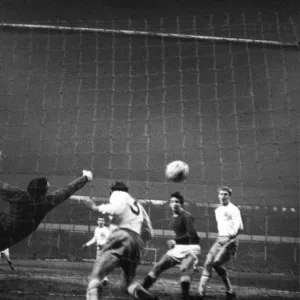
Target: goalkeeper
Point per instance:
(27, 209)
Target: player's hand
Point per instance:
(171, 244)
(84, 246)
(88, 174)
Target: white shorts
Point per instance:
(5, 252)
(180, 252)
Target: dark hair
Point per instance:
(178, 196)
(225, 188)
(119, 186)
(37, 186)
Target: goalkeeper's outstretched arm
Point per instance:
(64, 193)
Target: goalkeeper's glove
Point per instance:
(88, 174)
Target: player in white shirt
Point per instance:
(230, 224)
(5, 255)
(100, 237)
(124, 244)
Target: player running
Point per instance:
(5, 256)
(183, 251)
(230, 224)
(124, 244)
(100, 237)
(27, 209)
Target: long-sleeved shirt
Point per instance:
(126, 211)
(229, 220)
(183, 226)
(25, 213)
(101, 235)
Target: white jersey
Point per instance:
(5, 252)
(101, 235)
(229, 220)
(126, 211)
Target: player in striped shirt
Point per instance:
(100, 238)
(26, 209)
(183, 251)
(124, 244)
(230, 224)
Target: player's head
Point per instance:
(100, 222)
(119, 186)
(38, 187)
(176, 202)
(224, 194)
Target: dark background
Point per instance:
(126, 105)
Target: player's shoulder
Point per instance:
(218, 208)
(119, 196)
(233, 207)
(186, 214)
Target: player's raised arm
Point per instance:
(116, 204)
(8, 192)
(64, 193)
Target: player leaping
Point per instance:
(230, 224)
(27, 209)
(184, 250)
(124, 243)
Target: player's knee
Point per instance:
(152, 274)
(185, 278)
(94, 283)
(207, 269)
(156, 270)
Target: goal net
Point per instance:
(125, 101)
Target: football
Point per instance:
(177, 171)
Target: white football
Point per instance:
(177, 171)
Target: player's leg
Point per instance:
(102, 267)
(207, 269)
(165, 263)
(223, 256)
(5, 235)
(5, 255)
(129, 286)
(105, 278)
(129, 261)
(187, 269)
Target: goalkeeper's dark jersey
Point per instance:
(183, 226)
(24, 213)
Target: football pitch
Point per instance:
(45, 280)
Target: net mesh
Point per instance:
(125, 104)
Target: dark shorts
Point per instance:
(123, 249)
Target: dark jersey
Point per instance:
(183, 226)
(24, 213)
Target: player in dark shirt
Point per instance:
(27, 209)
(183, 250)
